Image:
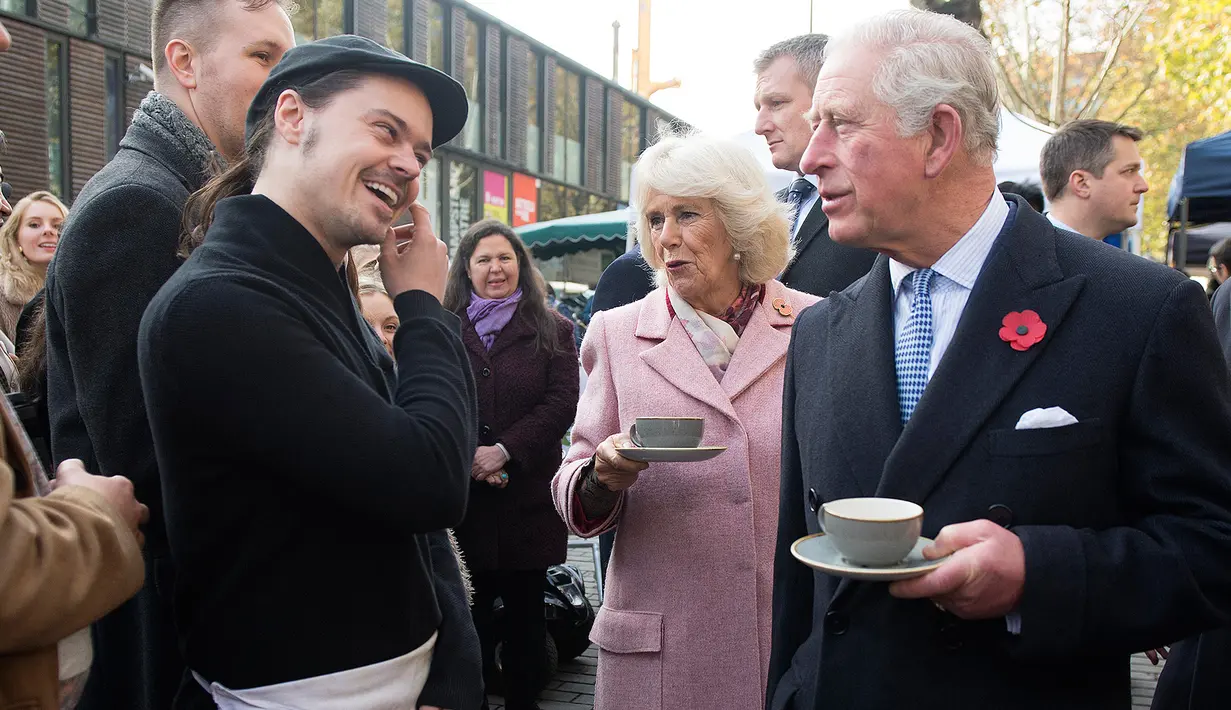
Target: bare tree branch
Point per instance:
(1059, 79)
(1110, 56)
(1145, 88)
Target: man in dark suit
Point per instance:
(1058, 408)
(786, 73)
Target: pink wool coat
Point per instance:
(686, 619)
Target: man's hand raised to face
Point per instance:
(422, 263)
(984, 577)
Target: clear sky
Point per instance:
(708, 44)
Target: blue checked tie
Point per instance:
(799, 193)
(913, 352)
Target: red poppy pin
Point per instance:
(1021, 330)
(783, 308)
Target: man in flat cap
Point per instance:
(308, 478)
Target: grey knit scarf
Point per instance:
(159, 114)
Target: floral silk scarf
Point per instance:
(716, 338)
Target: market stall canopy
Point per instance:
(1204, 179)
(1200, 239)
(605, 230)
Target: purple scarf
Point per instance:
(490, 316)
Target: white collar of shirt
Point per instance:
(1051, 217)
(964, 260)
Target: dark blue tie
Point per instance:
(912, 354)
(799, 193)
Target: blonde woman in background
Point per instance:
(29, 239)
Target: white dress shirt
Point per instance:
(805, 207)
(956, 273)
(1051, 217)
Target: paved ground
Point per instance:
(573, 686)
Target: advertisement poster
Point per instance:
(525, 200)
(495, 196)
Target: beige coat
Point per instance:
(65, 560)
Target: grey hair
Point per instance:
(928, 59)
(370, 280)
(1080, 145)
(808, 51)
(686, 163)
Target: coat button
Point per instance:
(1002, 515)
(837, 622)
(814, 502)
(487, 372)
(485, 430)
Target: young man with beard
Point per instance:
(116, 249)
(306, 483)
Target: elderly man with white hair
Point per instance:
(1059, 410)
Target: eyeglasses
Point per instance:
(6, 190)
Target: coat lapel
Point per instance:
(675, 358)
(979, 369)
(516, 329)
(470, 337)
(862, 377)
(763, 344)
(814, 223)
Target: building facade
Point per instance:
(546, 138)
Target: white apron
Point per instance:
(394, 684)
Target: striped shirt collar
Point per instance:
(964, 260)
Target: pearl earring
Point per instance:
(737, 257)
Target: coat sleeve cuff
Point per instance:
(1053, 594)
(569, 480)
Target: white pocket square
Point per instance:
(1048, 418)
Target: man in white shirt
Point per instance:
(1092, 176)
(1017, 381)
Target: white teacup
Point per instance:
(872, 532)
(668, 432)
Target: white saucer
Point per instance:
(818, 552)
(655, 455)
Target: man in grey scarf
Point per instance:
(117, 248)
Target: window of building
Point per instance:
(631, 146)
(436, 36)
(114, 116)
(57, 121)
(79, 17)
(395, 32)
(317, 19)
(463, 198)
(553, 204)
(472, 135)
(567, 161)
(534, 130)
(17, 7)
(429, 192)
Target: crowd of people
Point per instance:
(322, 447)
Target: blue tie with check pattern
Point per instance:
(799, 193)
(913, 352)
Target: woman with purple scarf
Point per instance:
(525, 366)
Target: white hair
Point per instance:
(928, 59)
(685, 163)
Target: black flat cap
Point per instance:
(309, 62)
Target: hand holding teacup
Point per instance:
(984, 577)
(615, 472)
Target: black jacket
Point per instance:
(1125, 516)
(117, 247)
(626, 280)
(822, 265)
(307, 487)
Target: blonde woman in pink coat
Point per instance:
(686, 619)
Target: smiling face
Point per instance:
(691, 242)
(378, 312)
(494, 271)
(782, 97)
(39, 232)
(871, 180)
(357, 161)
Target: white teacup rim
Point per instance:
(905, 510)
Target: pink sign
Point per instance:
(495, 196)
